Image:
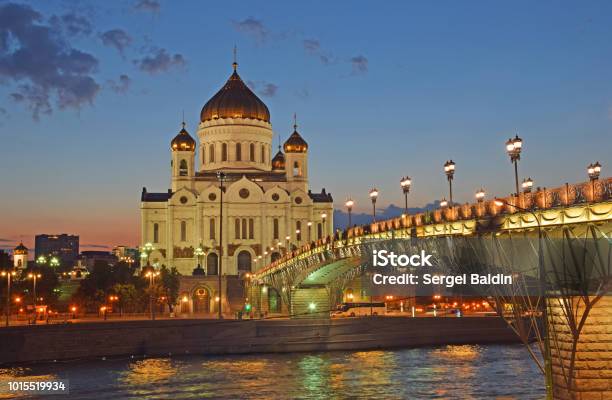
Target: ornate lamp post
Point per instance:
(221, 177)
(449, 170)
(373, 197)
(349, 206)
(527, 185)
(513, 147)
(480, 195)
(298, 236)
(41, 260)
(309, 228)
(54, 262)
(324, 218)
(287, 239)
(199, 252)
(443, 203)
(8, 275)
(34, 277)
(151, 274)
(405, 183)
(594, 170)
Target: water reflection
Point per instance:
(478, 372)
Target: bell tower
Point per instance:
(183, 159)
(296, 156)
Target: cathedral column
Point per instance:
(170, 234)
(198, 225)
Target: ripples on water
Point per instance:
(465, 372)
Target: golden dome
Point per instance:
(295, 143)
(235, 100)
(20, 250)
(278, 162)
(183, 141)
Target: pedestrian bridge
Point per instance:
(313, 279)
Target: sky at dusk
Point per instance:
(91, 93)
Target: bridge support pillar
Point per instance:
(591, 377)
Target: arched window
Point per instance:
(251, 228)
(238, 152)
(202, 153)
(297, 171)
(212, 264)
(244, 228)
(183, 168)
(298, 230)
(319, 231)
(224, 152)
(252, 152)
(211, 232)
(275, 228)
(155, 233)
(244, 262)
(211, 153)
(237, 227)
(263, 154)
(183, 231)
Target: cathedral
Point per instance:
(267, 206)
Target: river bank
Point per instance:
(25, 344)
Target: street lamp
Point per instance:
(480, 195)
(34, 277)
(151, 274)
(449, 170)
(405, 183)
(324, 218)
(8, 275)
(443, 203)
(542, 284)
(349, 206)
(199, 252)
(594, 170)
(513, 147)
(298, 237)
(54, 262)
(287, 239)
(41, 260)
(373, 197)
(221, 177)
(527, 185)
(309, 228)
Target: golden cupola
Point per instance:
(235, 100)
(278, 162)
(295, 143)
(183, 141)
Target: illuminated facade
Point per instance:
(266, 197)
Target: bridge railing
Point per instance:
(539, 199)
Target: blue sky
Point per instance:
(381, 90)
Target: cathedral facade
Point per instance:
(267, 205)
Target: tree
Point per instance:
(127, 296)
(169, 279)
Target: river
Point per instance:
(462, 372)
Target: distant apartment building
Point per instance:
(126, 254)
(64, 247)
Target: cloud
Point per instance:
(313, 47)
(122, 85)
(151, 6)
(158, 60)
(72, 24)
(42, 63)
(360, 64)
(302, 93)
(266, 89)
(95, 246)
(252, 27)
(3, 112)
(117, 38)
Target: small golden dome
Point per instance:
(183, 141)
(20, 250)
(278, 162)
(295, 143)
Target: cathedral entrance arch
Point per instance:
(201, 300)
(244, 262)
